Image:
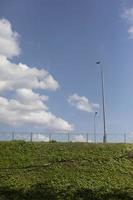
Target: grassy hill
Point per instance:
(65, 171)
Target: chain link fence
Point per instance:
(66, 137)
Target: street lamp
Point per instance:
(103, 102)
(95, 114)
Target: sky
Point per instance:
(49, 79)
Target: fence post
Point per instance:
(50, 137)
(125, 138)
(87, 137)
(31, 136)
(13, 136)
(68, 137)
(95, 138)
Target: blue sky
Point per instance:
(66, 38)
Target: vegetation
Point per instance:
(65, 171)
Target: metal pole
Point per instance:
(50, 137)
(125, 138)
(95, 127)
(68, 137)
(87, 137)
(103, 102)
(12, 136)
(31, 136)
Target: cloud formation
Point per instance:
(15, 112)
(25, 106)
(82, 103)
(9, 40)
(81, 138)
(128, 15)
(14, 76)
(40, 138)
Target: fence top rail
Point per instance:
(62, 133)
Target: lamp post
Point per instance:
(103, 102)
(95, 114)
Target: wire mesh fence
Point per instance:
(66, 137)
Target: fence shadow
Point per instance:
(87, 194)
(45, 192)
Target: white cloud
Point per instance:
(15, 76)
(25, 106)
(130, 31)
(40, 137)
(27, 96)
(82, 103)
(80, 138)
(33, 112)
(9, 45)
(128, 15)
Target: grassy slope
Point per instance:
(65, 171)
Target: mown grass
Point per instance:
(65, 171)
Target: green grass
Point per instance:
(65, 171)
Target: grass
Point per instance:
(65, 171)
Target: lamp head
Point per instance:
(98, 62)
